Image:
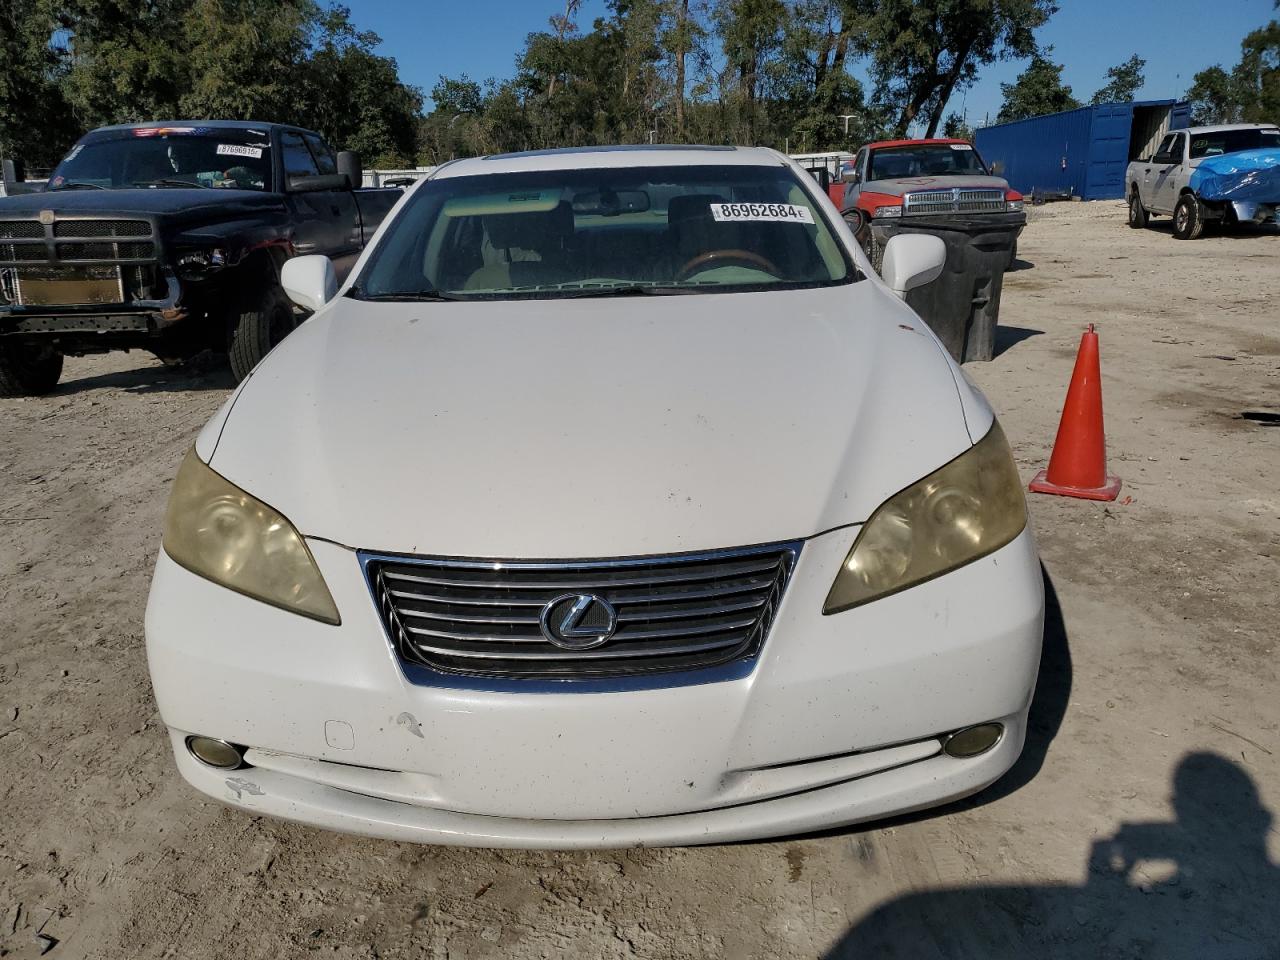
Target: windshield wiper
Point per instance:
(78, 185)
(170, 182)
(404, 296)
(632, 290)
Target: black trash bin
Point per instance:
(963, 305)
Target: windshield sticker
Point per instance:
(959, 146)
(771, 212)
(239, 150)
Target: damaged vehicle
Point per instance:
(169, 237)
(1226, 175)
(611, 501)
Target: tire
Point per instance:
(855, 219)
(263, 321)
(1013, 255)
(1138, 216)
(1188, 218)
(28, 370)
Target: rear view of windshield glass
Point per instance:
(1217, 143)
(168, 157)
(566, 232)
(925, 160)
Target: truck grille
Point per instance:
(77, 241)
(953, 201)
(489, 618)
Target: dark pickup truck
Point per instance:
(169, 237)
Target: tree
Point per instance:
(923, 52)
(1038, 90)
(1124, 82)
(957, 128)
(1215, 97)
(1258, 74)
(36, 124)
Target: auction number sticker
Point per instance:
(239, 150)
(774, 212)
(959, 146)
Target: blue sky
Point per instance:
(1177, 37)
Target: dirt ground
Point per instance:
(1139, 822)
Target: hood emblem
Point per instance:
(578, 621)
(46, 217)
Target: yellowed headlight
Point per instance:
(217, 531)
(967, 509)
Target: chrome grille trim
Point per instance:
(682, 614)
(977, 200)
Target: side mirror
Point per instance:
(310, 282)
(349, 167)
(317, 183)
(911, 260)
(849, 175)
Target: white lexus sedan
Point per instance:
(611, 501)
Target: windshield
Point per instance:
(1232, 141)
(168, 157)
(601, 232)
(925, 160)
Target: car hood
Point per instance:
(173, 203)
(897, 187)
(594, 427)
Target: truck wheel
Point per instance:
(1013, 255)
(1188, 218)
(28, 370)
(854, 219)
(266, 318)
(1138, 217)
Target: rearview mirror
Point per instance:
(349, 167)
(310, 282)
(911, 260)
(610, 203)
(318, 182)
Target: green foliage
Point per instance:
(72, 65)
(1038, 90)
(1215, 97)
(923, 51)
(1250, 92)
(1123, 82)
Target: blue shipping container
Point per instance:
(1083, 152)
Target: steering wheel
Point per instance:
(694, 264)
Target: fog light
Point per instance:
(214, 753)
(973, 740)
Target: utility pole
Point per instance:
(846, 117)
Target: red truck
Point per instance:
(939, 183)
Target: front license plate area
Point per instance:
(87, 285)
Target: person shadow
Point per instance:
(1200, 886)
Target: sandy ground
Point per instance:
(1137, 824)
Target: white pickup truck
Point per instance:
(1243, 187)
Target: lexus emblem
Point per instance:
(578, 621)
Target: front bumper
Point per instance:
(838, 723)
(971, 224)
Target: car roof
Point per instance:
(913, 143)
(1224, 127)
(208, 124)
(586, 158)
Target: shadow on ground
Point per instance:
(1199, 886)
(154, 378)
(1007, 337)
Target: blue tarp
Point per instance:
(1250, 175)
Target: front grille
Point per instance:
(92, 229)
(18, 253)
(127, 250)
(21, 230)
(954, 201)
(675, 613)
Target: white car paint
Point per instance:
(1159, 180)
(692, 423)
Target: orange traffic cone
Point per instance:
(1078, 466)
